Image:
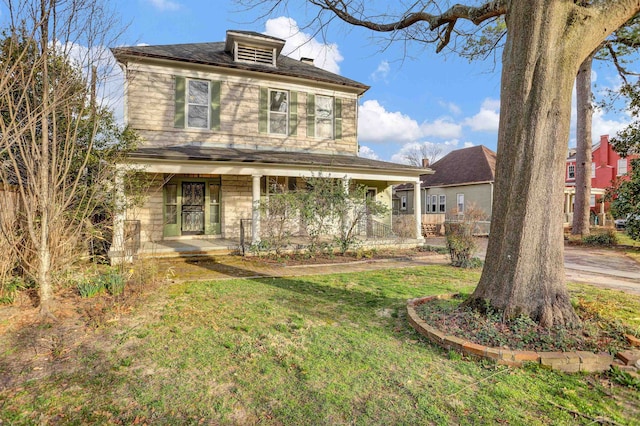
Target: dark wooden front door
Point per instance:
(192, 208)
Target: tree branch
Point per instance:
(449, 18)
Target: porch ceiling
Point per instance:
(213, 160)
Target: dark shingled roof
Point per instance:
(214, 54)
(233, 155)
(463, 166)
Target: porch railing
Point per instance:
(372, 228)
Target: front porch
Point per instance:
(211, 246)
(198, 198)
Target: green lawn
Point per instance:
(333, 349)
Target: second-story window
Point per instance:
(278, 111)
(622, 166)
(324, 117)
(571, 171)
(198, 104)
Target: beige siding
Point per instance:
(150, 98)
(150, 214)
(236, 204)
(480, 195)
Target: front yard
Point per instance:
(333, 349)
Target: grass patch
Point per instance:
(626, 240)
(332, 349)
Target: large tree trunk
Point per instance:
(524, 270)
(581, 206)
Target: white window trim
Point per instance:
(622, 170)
(571, 167)
(286, 113)
(403, 202)
(207, 105)
(333, 116)
(458, 203)
(442, 206)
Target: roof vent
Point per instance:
(307, 60)
(254, 54)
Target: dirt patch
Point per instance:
(299, 259)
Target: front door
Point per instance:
(193, 208)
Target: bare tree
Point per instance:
(426, 151)
(546, 42)
(50, 124)
(584, 107)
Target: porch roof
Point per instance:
(184, 158)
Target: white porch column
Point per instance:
(603, 216)
(116, 251)
(417, 208)
(255, 203)
(567, 206)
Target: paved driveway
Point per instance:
(601, 267)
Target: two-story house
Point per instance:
(606, 167)
(225, 123)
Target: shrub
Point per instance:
(607, 238)
(113, 281)
(459, 233)
(9, 288)
(90, 286)
(460, 243)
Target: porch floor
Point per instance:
(222, 246)
(189, 247)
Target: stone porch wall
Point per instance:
(236, 204)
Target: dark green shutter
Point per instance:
(263, 111)
(178, 118)
(215, 105)
(338, 118)
(311, 115)
(293, 114)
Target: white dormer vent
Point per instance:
(253, 48)
(307, 60)
(255, 55)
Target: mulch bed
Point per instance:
(595, 335)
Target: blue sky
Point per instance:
(416, 96)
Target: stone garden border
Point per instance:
(568, 362)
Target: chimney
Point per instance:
(307, 60)
(425, 163)
(604, 149)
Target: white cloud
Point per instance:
(303, 45)
(603, 126)
(487, 119)
(377, 125)
(444, 147)
(441, 128)
(164, 5)
(451, 107)
(366, 152)
(381, 72)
